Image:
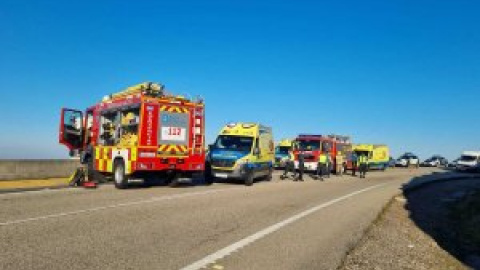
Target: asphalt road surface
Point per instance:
(271, 225)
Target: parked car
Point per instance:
(469, 161)
(435, 161)
(391, 162)
(453, 163)
(407, 159)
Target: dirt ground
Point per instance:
(418, 231)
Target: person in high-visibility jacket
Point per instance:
(363, 162)
(329, 169)
(289, 165)
(322, 166)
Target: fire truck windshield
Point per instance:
(304, 145)
(234, 143)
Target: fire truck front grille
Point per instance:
(223, 163)
(310, 158)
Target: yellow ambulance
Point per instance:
(378, 155)
(242, 151)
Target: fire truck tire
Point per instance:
(208, 175)
(249, 179)
(209, 179)
(119, 178)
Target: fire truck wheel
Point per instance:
(208, 175)
(119, 177)
(249, 179)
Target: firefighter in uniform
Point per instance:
(322, 166)
(363, 161)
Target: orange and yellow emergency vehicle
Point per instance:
(139, 132)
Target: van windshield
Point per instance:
(468, 158)
(282, 150)
(234, 143)
(309, 145)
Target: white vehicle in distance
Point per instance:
(469, 161)
(407, 160)
(435, 161)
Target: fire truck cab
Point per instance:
(139, 133)
(313, 145)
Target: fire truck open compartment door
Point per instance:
(71, 129)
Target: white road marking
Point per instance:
(89, 210)
(212, 258)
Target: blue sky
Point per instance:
(404, 73)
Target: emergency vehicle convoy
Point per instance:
(137, 132)
(314, 145)
(242, 151)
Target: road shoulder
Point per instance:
(32, 184)
(395, 242)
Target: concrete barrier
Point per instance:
(37, 169)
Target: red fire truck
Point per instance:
(313, 145)
(138, 133)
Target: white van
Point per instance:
(469, 161)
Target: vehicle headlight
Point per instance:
(241, 164)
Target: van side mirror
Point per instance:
(256, 151)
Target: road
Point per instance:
(272, 225)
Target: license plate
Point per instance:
(221, 175)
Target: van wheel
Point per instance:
(119, 177)
(249, 179)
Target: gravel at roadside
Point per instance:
(395, 242)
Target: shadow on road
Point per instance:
(441, 205)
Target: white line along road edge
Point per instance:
(212, 258)
(100, 208)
